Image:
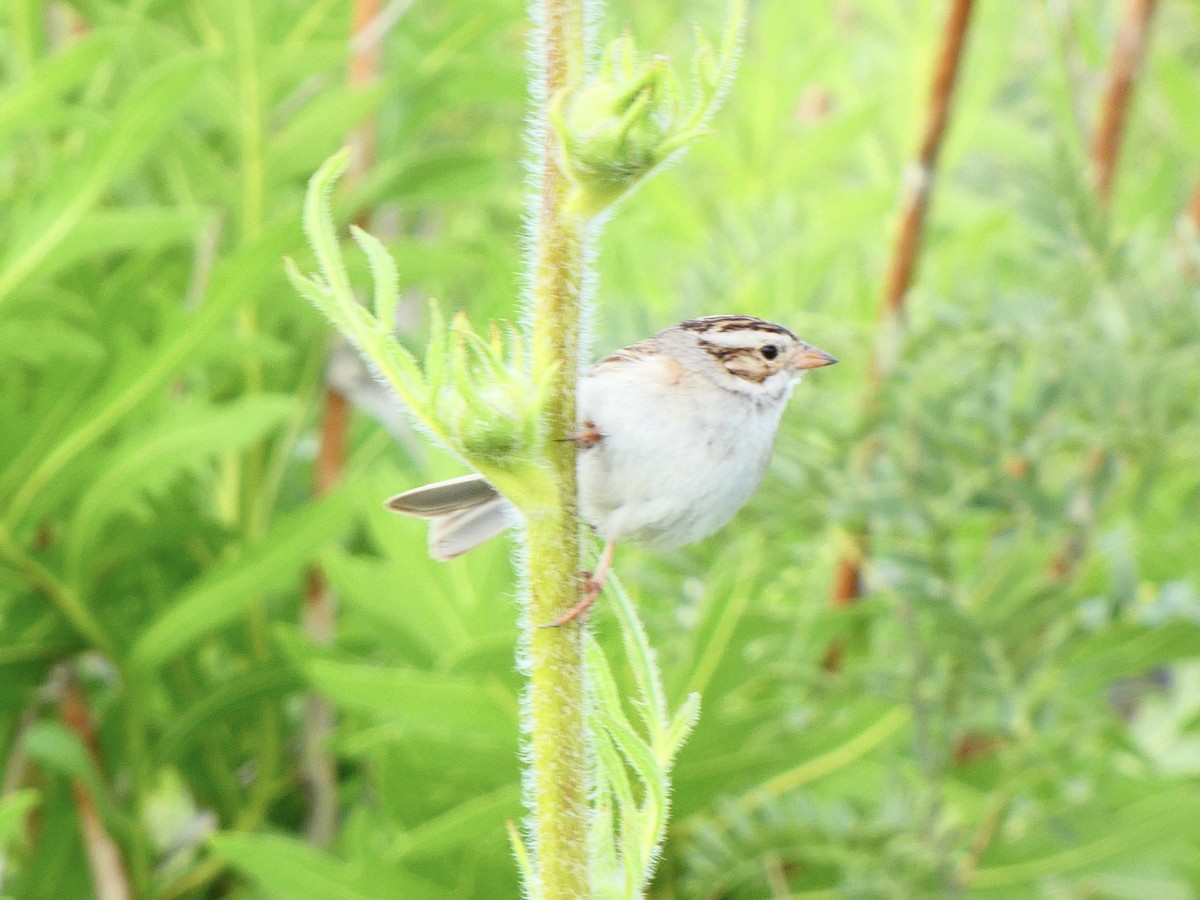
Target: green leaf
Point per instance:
(681, 726)
(418, 700)
(41, 343)
(29, 102)
(237, 695)
(226, 590)
(311, 135)
(289, 869)
(148, 462)
(373, 587)
(641, 660)
(635, 750)
(133, 129)
(383, 273)
(475, 819)
(616, 777)
(104, 231)
(318, 224)
(13, 811)
(521, 855)
(236, 278)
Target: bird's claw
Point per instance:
(587, 437)
(589, 588)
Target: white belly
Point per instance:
(677, 458)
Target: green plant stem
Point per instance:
(559, 755)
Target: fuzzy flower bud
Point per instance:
(617, 128)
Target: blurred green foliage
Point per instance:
(1017, 712)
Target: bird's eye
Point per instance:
(770, 351)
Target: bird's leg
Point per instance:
(587, 437)
(591, 587)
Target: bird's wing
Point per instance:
(432, 500)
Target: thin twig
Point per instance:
(919, 176)
(1189, 234)
(320, 603)
(1193, 210)
(1128, 50)
(916, 189)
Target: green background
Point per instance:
(1001, 726)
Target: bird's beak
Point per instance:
(811, 358)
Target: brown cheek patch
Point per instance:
(746, 365)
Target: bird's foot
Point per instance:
(589, 591)
(587, 437)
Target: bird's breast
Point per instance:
(676, 459)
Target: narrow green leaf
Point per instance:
(290, 869)
(226, 590)
(641, 660)
(384, 276)
(238, 694)
(27, 103)
(860, 743)
(606, 868)
(419, 700)
(307, 137)
(681, 726)
(238, 277)
(104, 231)
(472, 820)
(612, 767)
(318, 294)
(600, 679)
(44, 342)
(318, 225)
(636, 751)
(13, 811)
(521, 855)
(135, 125)
(148, 462)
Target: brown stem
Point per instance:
(917, 187)
(1127, 54)
(104, 856)
(1193, 210)
(1128, 50)
(320, 603)
(920, 173)
(1189, 235)
(363, 69)
(318, 769)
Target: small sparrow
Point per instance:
(675, 434)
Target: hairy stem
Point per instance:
(558, 260)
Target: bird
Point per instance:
(675, 433)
